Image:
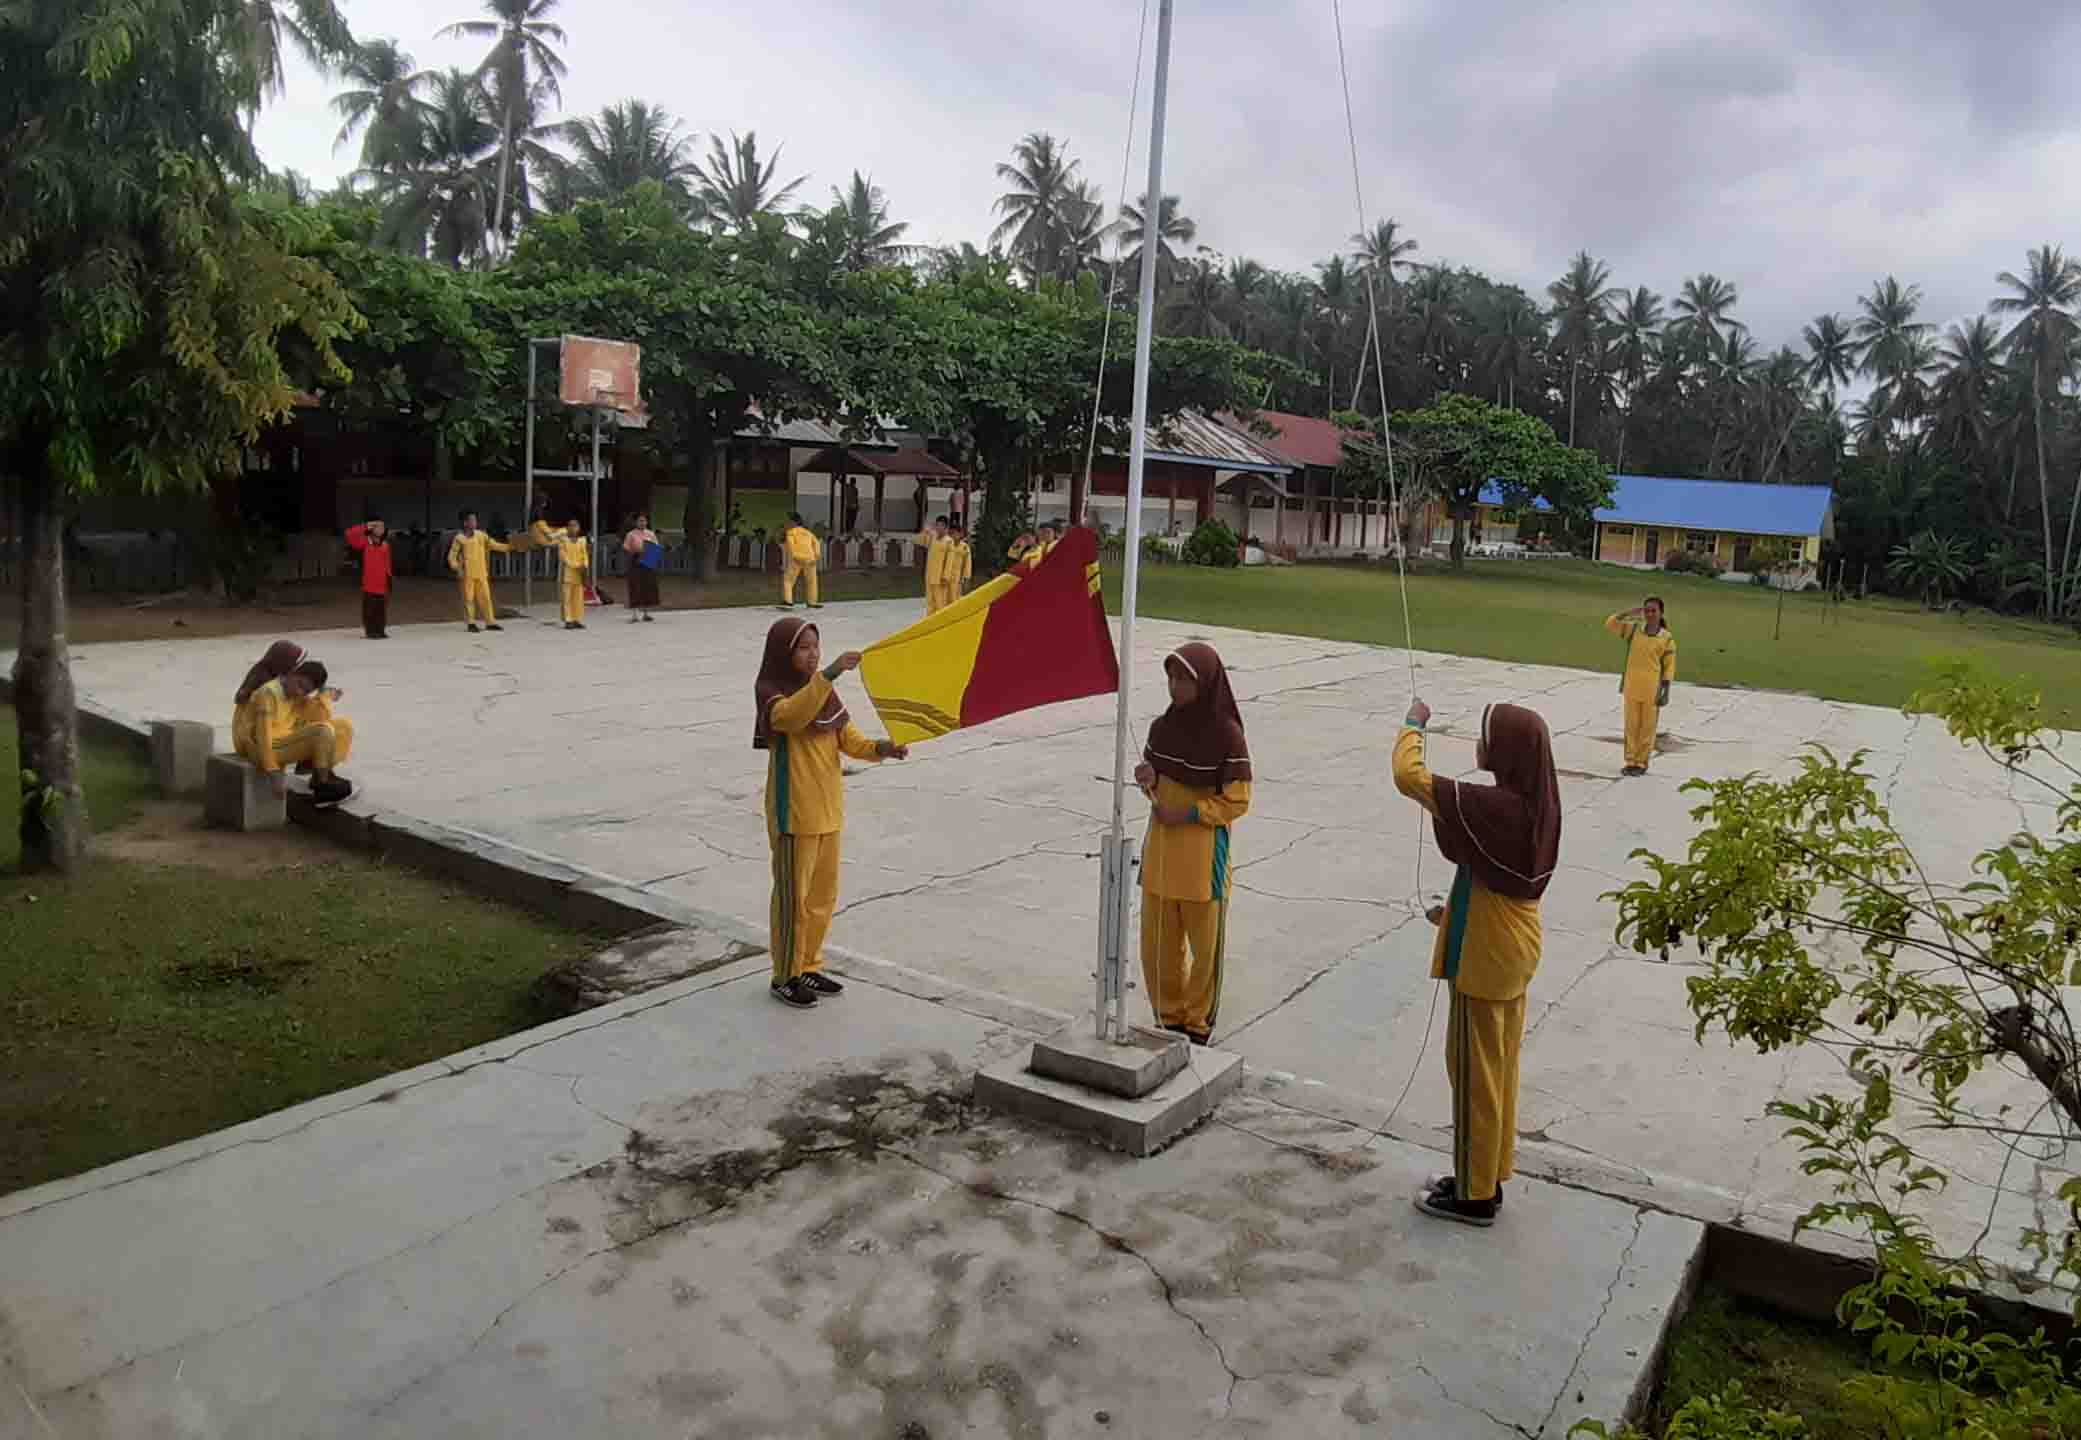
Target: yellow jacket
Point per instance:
(1190, 862)
(802, 545)
(960, 564)
(470, 555)
(1499, 949)
(805, 785)
(270, 715)
(576, 557)
(1650, 659)
(937, 553)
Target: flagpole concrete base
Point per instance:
(1131, 1069)
(1138, 1125)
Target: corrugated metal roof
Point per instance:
(789, 432)
(1741, 506)
(1190, 438)
(1302, 439)
(852, 460)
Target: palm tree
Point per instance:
(315, 29)
(1042, 178)
(1249, 283)
(1434, 304)
(1729, 365)
(951, 264)
(622, 147)
(734, 187)
(1890, 339)
(1636, 323)
(1704, 307)
(1083, 230)
(2044, 298)
(1932, 563)
(1173, 231)
(1197, 306)
(1510, 348)
(1336, 301)
(438, 197)
(1380, 253)
(1831, 352)
(1971, 368)
(1582, 298)
(522, 68)
(868, 238)
(384, 103)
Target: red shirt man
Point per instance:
(373, 543)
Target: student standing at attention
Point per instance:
(1196, 772)
(938, 550)
(575, 556)
(373, 543)
(469, 557)
(1650, 666)
(803, 727)
(645, 554)
(1506, 840)
(800, 552)
(960, 563)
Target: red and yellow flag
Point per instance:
(1017, 643)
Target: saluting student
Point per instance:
(805, 730)
(469, 557)
(960, 565)
(371, 539)
(1196, 771)
(1650, 667)
(1506, 840)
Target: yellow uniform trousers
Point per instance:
(938, 597)
(1642, 716)
(1186, 996)
(476, 602)
(1482, 1039)
(804, 570)
(805, 896)
(322, 745)
(571, 598)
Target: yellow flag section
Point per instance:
(1019, 642)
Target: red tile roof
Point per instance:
(1300, 439)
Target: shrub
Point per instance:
(1212, 544)
(1686, 562)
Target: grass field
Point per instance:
(1551, 612)
(190, 979)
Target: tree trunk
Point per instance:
(2052, 597)
(498, 210)
(1574, 365)
(700, 533)
(1459, 538)
(54, 810)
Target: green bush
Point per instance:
(1685, 562)
(1212, 544)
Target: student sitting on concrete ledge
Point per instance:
(290, 721)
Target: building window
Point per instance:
(1701, 542)
(1619, 532)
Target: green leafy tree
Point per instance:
(143, 295)
(1457, 445)
(1933, 564)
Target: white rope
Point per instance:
(1358, 193)
(1105, 341)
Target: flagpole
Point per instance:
(1112, 1018)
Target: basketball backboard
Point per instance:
(604, 375)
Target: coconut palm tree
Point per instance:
(1380, 253)
(315, 29)
(1197, 305)
(868, 238)
(383, 103)
(1174, 231)
(521, 70)
(1337, 298)
(438, 198)
(734, 187)
(1509, 351)
(1637, 321)
(1582, 300)
(1042, 179)
(1889, 339)
(1083, 230)
(1249, 285)
(1703, 308)
(1831, 352)
(1970, 368)
(2043, 340)
(1434, 307)
(622, 147)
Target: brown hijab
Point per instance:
(1202, 743)
(778, 679)
(1508, 833)
(281, 657)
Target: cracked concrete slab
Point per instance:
(696, 1212)
(971, 863)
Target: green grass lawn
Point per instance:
(1789, 1364)
(1551, 612)
(143, 1003)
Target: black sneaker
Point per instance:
(1445, 1184)
(821, 983)
(473, 629)
(494, 627)
(331, 792)
(647, 619)
(1444, 1204)
(794, 992)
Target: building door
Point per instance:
(1742, 546)
(1654, 545)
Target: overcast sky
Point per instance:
(1800, 148)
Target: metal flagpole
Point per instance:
(1115, 861)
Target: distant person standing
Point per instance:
(371, 541)
(800, 552)
(645, 554)
(960, 563)
(469, 559)
(852, 507)
(575, 557)
(938, 550)
(1650, 667)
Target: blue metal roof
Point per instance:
(1740, 506)
(1492, 494)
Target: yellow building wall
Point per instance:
(1632, 549)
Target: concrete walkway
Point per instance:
(697, 1213)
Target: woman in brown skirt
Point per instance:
(641, 545)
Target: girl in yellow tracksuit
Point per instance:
(960, 565)
(290, 722)
(1650, 667)
(1196, 772)
(800, 552)
(939, 552)
(1505, 840)
(469, 558)
(576, 558)
(803, 726)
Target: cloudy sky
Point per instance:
(1800, 148)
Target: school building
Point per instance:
(1735, 522)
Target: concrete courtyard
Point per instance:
(626, 751)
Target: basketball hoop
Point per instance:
(604, 379)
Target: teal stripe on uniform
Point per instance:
(780, 785)
(1456, 920)
(1220, 880)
